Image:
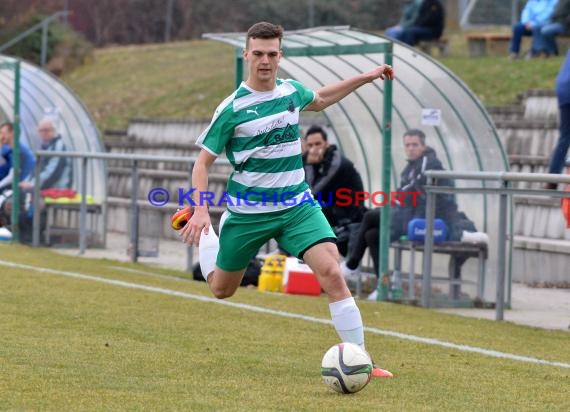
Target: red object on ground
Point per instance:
(55, 193)
(302, 283)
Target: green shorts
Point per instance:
(296, 229)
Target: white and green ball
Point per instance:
(346, 368)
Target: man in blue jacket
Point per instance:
(535, 15)
(27, 158)
(563, 95)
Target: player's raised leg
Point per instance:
(222, 283)
(224, 260)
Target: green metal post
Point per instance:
(384, 247)
(45, 34)
(239, 67)
(16, 156)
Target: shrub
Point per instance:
(66, 49)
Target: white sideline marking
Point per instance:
(152, 275)
(292, 315)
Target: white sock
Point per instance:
(347, 321)
(208, 252)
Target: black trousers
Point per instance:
(369, 234)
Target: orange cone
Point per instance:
(566, 208)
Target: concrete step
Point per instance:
(120, 181)
(539, 260)
(166, 131)
(506, 113)
(540, 218)
(540, 104)
(527, 140)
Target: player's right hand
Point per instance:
(198, 223)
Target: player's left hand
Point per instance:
(386, 72)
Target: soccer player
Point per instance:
(258, 126)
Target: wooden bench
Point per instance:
(480, 44)
(441, 44)
(62, 222)
(458, 253)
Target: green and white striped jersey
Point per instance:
(260, 133)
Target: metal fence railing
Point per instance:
(134, 159)
(504, 190)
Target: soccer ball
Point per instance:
(181, 217)
(346, 368)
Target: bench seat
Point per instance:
(62, 221)
(479, 44)
(441, 44)
(458, 253)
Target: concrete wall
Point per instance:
(541, 244)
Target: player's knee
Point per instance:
(331, 271)
(222, 292)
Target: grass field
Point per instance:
(83, 334)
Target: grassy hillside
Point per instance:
(188, 79)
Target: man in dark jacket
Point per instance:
(421, 20)
(327, 172)
(412, 179)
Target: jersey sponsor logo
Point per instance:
(291, 106)
(279, 136)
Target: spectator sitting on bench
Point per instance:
(27, 164)
(421, 20)
(420, 159)
(27, 158)
(327, 171)
(560, 24)
(535, 15)
(55, 172)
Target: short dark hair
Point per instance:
(418, 133)
(316, 129)
(9, 125)
(264, 30)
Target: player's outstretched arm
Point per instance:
(200, 220)
(335, 92)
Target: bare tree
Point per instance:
(142, 21)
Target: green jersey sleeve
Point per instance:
(219, 132)
(306, 95)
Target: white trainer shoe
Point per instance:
(373, 296)
(346, 272)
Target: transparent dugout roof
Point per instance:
(43, 94)
(462, 134)
(425, 95)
